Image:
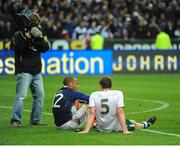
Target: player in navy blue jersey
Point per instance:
(67, 110)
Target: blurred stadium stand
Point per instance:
(120, 19)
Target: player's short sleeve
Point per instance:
(120, 100)
(92, 100)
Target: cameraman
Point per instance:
(28, 44)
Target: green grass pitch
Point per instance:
(145, 96)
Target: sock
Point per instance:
(146, 124)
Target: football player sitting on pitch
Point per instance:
(67, 110)
(107, 106)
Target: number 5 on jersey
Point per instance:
(104, 106)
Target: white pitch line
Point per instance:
(162, 133)
(163, 106)
(26, 110)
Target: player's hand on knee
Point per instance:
(77, 104)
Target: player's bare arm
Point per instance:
(89, 121)
(122, 120)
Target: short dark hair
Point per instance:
(67, 80)
(105, 82)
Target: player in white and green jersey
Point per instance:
(107, 106)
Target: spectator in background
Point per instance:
(105, 30)
(8, 29)
(80, 31)
(163, 41)
(169, 29)
(140, 31)
(126, 31)
(92, 29)
(50, 29)
(64, 35)
(2, 30)
(69, 25)
(122, 17)
(153, 28)
(127, 22)
(97, 41)
(161, 21)
(116, 27)
(177, 30)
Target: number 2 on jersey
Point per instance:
(104, 106)
(56, 105)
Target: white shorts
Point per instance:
(113, 126)
(78, 119)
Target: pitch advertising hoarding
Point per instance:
(77, 62)
(100, 62)
(65, 63)
(146, 62)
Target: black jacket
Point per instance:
(27, 53)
